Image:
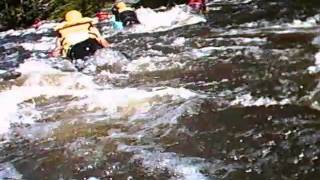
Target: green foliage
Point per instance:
(88, 8)
(14, 13)
(308, 3)
(17, 13)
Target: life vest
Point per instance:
(74, 34)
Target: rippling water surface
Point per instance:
(230, 95)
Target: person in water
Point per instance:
(198, 5)
(115, 21)
(77, 37)
(124, 14)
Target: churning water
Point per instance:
(233, 95)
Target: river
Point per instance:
(230, 95)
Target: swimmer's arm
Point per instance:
(99, 38)
(104, 42)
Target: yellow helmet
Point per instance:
(73, 16)
(121, 5)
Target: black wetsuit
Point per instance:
(127, 17)
(115, 12)
(83, 49)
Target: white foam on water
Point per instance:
(103, 102)
(182, 167)
(109, 56)
(316, 41)
(248, 100)
(46, 26)
(3, 71)
(8, 171)
(12, 98)
(93, 178)
(317, 56)
(206, 51)
(40, 79)
(44, 44)
(309, 22)
(313, 95)
(145, 64)
(111, 100)
(40, 74)
(167, 114)
(34, 66)
(255, 40)
(172, 61)
(11, 32)
(9, 45)
(179, 41)
(155, 63)
(105, 57)
(152, 21)
(316, 67)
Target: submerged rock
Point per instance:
(8, 75)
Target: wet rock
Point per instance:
(3, 28)
(10, 75)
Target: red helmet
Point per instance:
(102, 15)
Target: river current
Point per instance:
(229, 95)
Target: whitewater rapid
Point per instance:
(157, 100)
